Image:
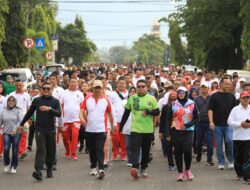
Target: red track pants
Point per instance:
(118, 141)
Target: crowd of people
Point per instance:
(95, 107)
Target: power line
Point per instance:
(117, 2)
(100, 11)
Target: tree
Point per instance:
(122, 55)
(13, 49)
(213, 30)
(150, 49)
(74, 43)
(245, 17)
(3, 11)
(177, 50)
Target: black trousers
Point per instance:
(242, 158)
(183, 142)
(95, 144)
(46, 149)
(81, 136)
(140, 141)
(32, 130)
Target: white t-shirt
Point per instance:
(23, 100)
(118, 104)
(135, 80)
(71, 101)
(57, 93)
(97, 113)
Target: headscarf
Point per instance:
(193, 89)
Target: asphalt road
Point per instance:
(74, 175)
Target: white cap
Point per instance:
(242, 80)
(182, 88)
(204, 83)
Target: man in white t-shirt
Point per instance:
(95, 114)
(71, 100)
(23, 102)
(118, 99)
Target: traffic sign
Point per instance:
(50, 54)
(40, 43)
(29, 43)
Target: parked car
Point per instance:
(52, 67)
(24, 74)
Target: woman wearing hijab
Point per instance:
(10, 119)
(180, 121)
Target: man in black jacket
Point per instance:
(47, 108)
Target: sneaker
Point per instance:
(74, 158)
(247, 181)
(49, 173)
(22, 156)
(143, 173)
(210, 163)
(13, 170)
(238, 177)
(189, 175)
(171, 168)
(6, 169)
(37, 175)
(180, 177)
(101, 174)
(129, 165)
(221, 167)
(230, 165)
(93, 172)
(134, 173)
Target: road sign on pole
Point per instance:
(50, 55)
(40, 43)
(29, 43)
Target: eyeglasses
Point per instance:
(141, 86)
(245, 97)
(46, 88)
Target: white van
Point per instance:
(24, 74)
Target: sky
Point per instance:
(117, 23)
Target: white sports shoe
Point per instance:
(93, 171)
(6, 169)
(230, 165)
(221, 167)
(13, 170)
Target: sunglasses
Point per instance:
(181, 92)
(245, 97)
(46, 88)
(141, 86)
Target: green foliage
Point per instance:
(13, 49)
(122, 55)
(74, 43)
(245, 17)
(3, 11)
(213, 30)
(150, 49)
(177, 51)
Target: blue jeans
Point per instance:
(8, 142)
(128, 148)
(203, 130)
(221, 133)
